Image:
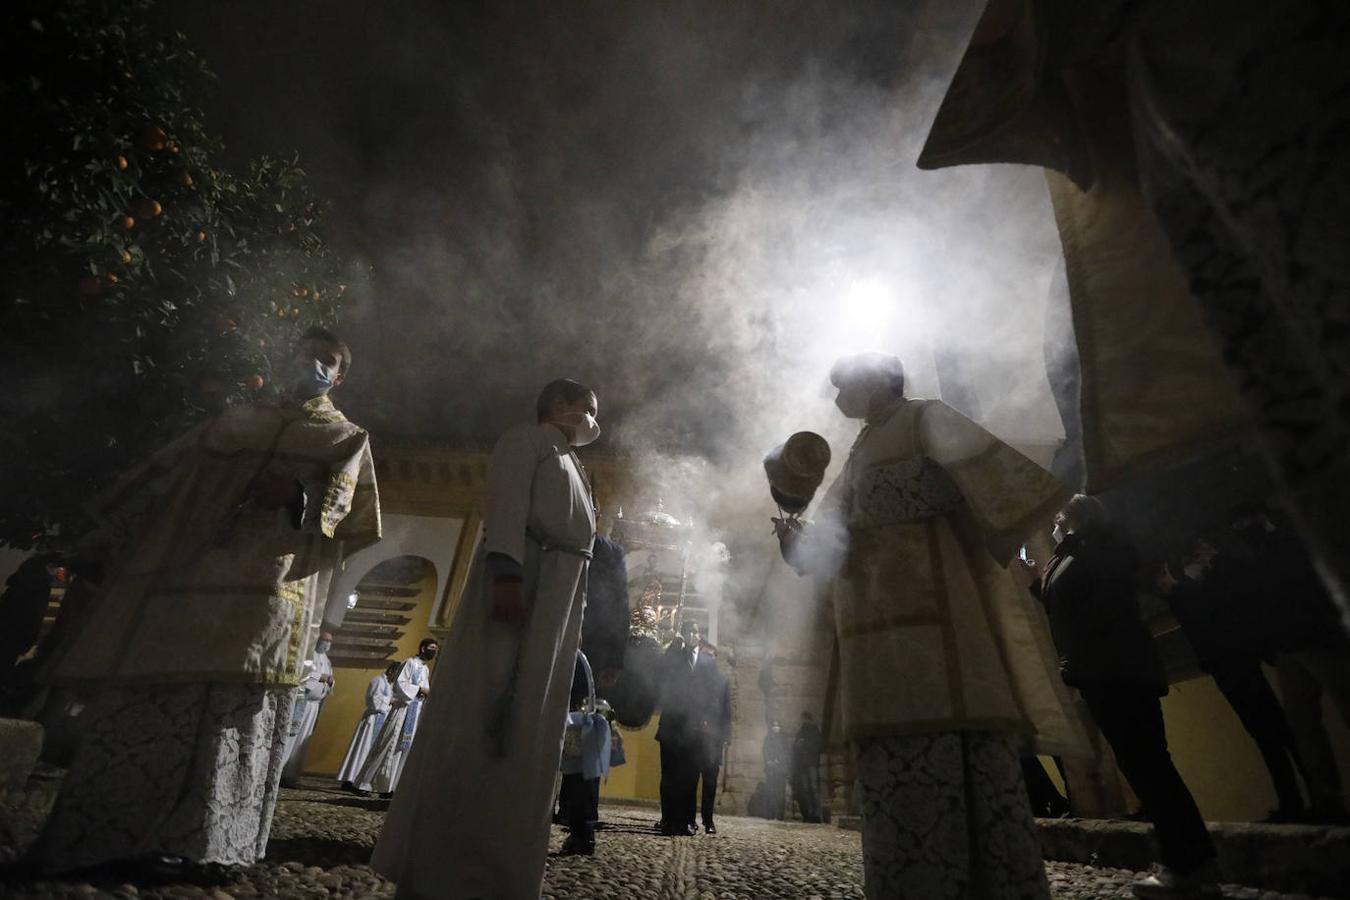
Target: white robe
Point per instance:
(470, 823)
(384, 765)
(378, 695)
(312, 692)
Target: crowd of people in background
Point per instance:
(1244, 596)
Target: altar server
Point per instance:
(491, 755)
(378, 695)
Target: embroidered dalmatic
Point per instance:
(216, 588)
(194, 647)
(934, 633)
(946, 669)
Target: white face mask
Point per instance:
(323, 646)
(1058, 533)
(1195, 571)
(855, 400)
(584, 427)
(312, 378)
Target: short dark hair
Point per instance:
(422, 646)
(881, 365)
(564, 390)
(1085, 513)
(319, 333)
(392, 668)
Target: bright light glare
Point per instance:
(869, 300)
(352, 598)
(865, 314)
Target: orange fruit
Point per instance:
(148, 209)
(126, 257)
(201, 235)
(122, 163)
(154, 138)
(301, 292)
(227, 326)
(185, 178)
(254, 382)
(127, 223)
(174, 147)
(111, 277)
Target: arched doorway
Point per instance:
(382, 611)
(389, 613)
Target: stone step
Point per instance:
(1305, 859)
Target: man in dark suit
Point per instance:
(679, 732)
(713, 698)
(806, 750)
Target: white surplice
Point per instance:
(313, 690)
(384, 765)
(470, 821)
(378, 694)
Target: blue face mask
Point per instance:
(312, 378)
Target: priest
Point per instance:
(378, 695)
(195, 646)
(490, 757)
(314, 688)
(946, 669)
(412, 685)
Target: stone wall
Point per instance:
(777, 657)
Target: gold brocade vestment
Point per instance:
(934, 633)
(216, 588)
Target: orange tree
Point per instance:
(144, 286)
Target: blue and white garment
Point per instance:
(378, 695)
(586, 742)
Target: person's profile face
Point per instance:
(855, 396)
(564, 411)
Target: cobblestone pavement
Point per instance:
(322, 839)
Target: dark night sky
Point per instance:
(639, 195)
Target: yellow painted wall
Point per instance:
(343, 708)
(640, 777)
(1217, 758)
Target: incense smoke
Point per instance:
(693, 207)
